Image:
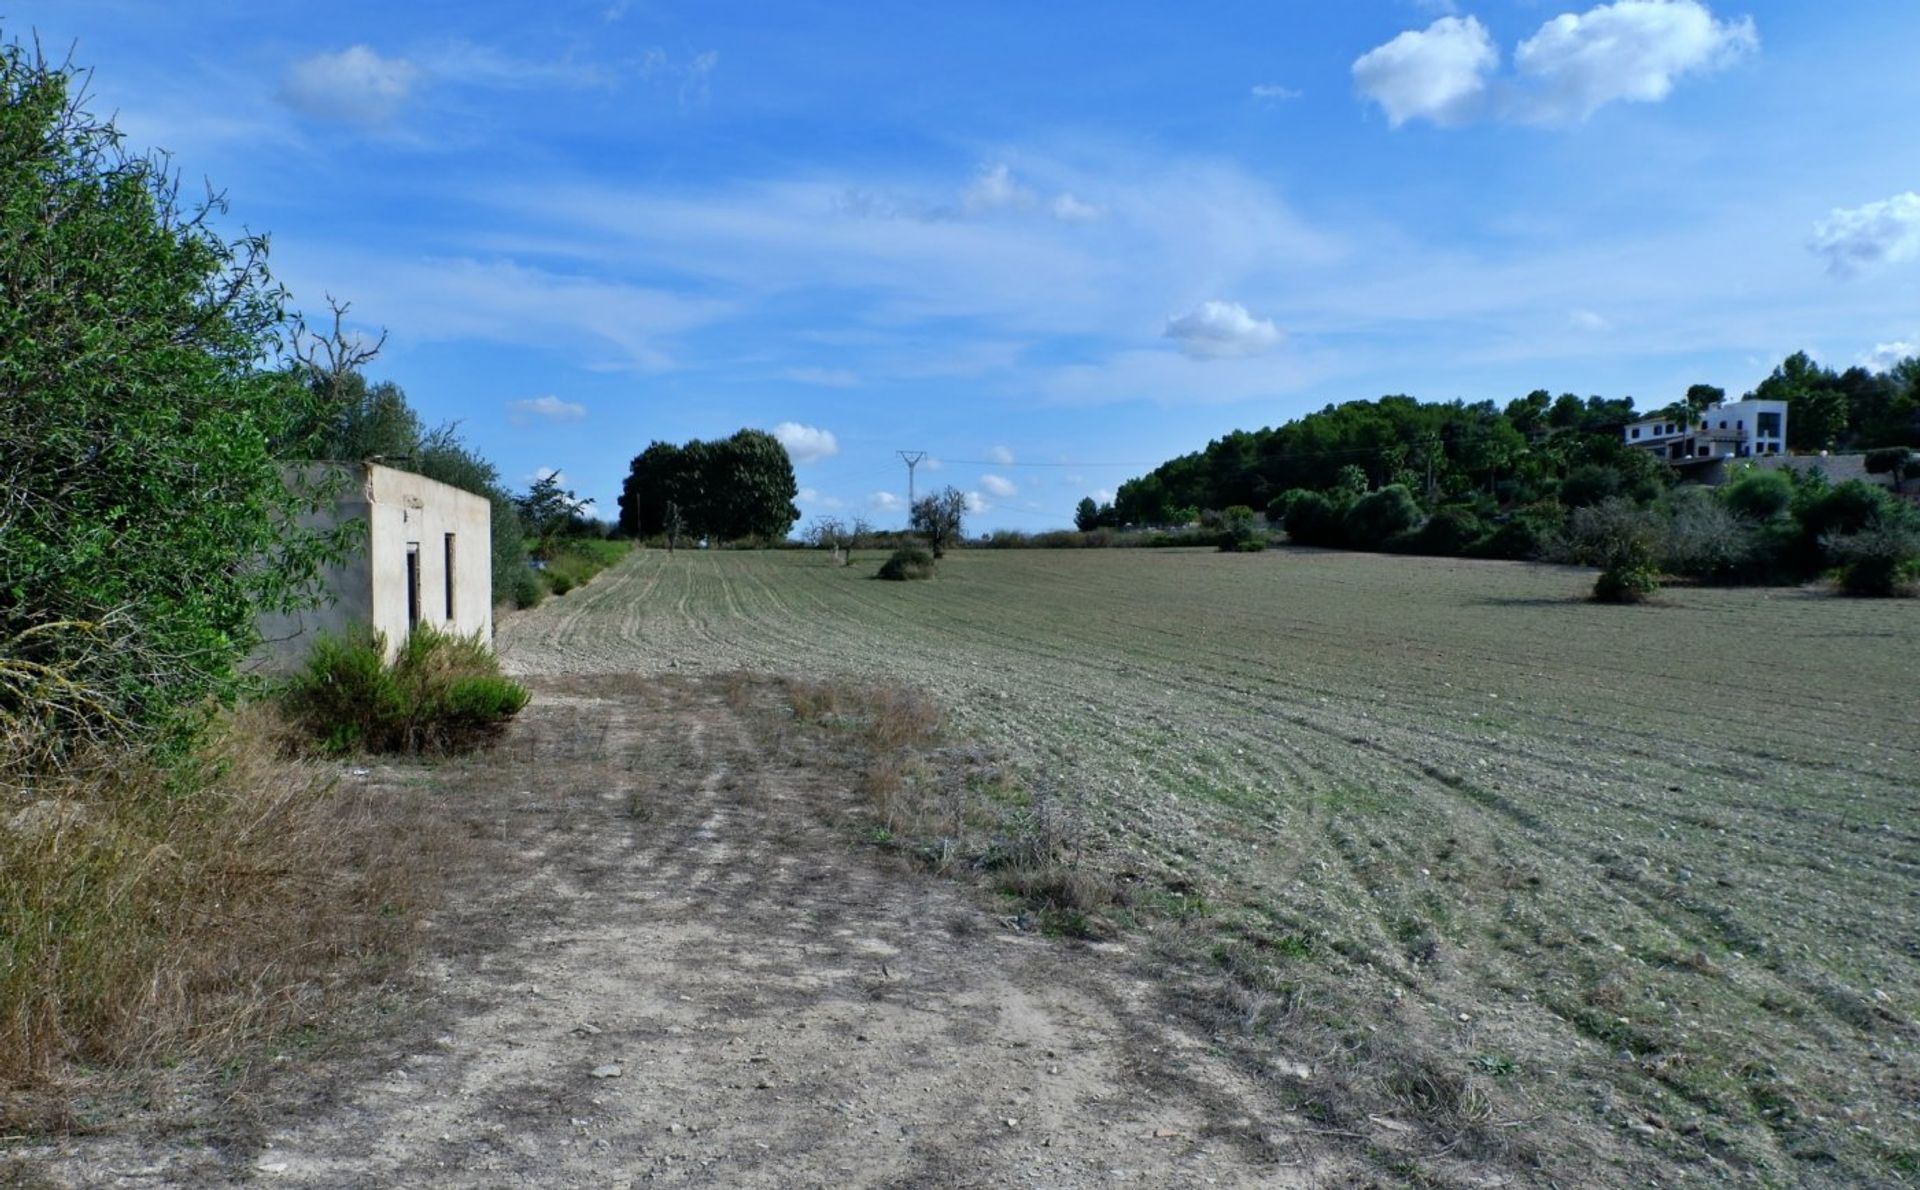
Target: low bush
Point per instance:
(440, 693)
(1448, 533)
(1313, 518)
(1881, 560)
(576, 560)
(910, 563)
(1377, 517)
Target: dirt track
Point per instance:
(685, 973)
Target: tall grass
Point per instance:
(440, 693)
(159, 911)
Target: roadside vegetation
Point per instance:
(174, 892)
(440, 693)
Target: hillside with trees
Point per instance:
(1475, 479)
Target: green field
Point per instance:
(1554, 882)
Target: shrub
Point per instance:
(1448, 533)
(440, 693)
(1881, 560)
(1377, 516)
(1315, 519)
(910, 563)
(1622, 539)
(1238, 533)
(1589, 485)
(1704, 539)
(1759, 495)
(1525, 533)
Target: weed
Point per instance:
(440, 693)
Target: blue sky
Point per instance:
(1052, 245)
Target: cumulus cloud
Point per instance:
(1886, 355)
(885, 501)
(977, 503)
(1438, 73)
(807, 444)
(356, 85)
(1001, 455)
(1101, 495)
(545, 408)
(998, 485)
(1219, 329)
(1859, 238)
(1276, 92)
(1630, 51)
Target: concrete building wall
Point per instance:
(426, 557)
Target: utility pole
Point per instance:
(912, 459)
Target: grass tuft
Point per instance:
(440, 693)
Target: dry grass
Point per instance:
(950, 806)
(158, 916)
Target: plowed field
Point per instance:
(1602, 892)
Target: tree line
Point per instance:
(739, 488)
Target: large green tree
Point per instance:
(727, 489)
(144, 521)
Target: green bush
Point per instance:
(1448, 533)
(1759, 495)
(1881, 560)
(1622, 539)
(1238, 531)
(1315, 519)
(912, 562)
(440, 693)
(1377, 516)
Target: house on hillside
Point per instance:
(427, 558)
(1742, 430)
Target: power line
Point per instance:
(912, 459)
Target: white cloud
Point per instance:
(823, 377)
(1859, 238)
(885, 501)
(440, 299)
(1101, 495)
(1276, 92)
(1001, 455)
(999, 485)
(1437, 74)
(815, 498)
(993, 189)
(1068, 209)
(1885, 355)
(356, 85)
(1631, 51)
(806, 444)
(1587, 320)
(1222, 329)
(545, 408)
(977, 503)
(692, 80)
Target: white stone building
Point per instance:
(1742, 430)
(427, 558)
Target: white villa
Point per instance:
(1742, 430)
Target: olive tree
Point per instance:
(938, 518)
(144, 520)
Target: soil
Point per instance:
(676, 965)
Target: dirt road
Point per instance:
(677, 969)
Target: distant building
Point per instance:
(427, 559)
(1742, 430)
